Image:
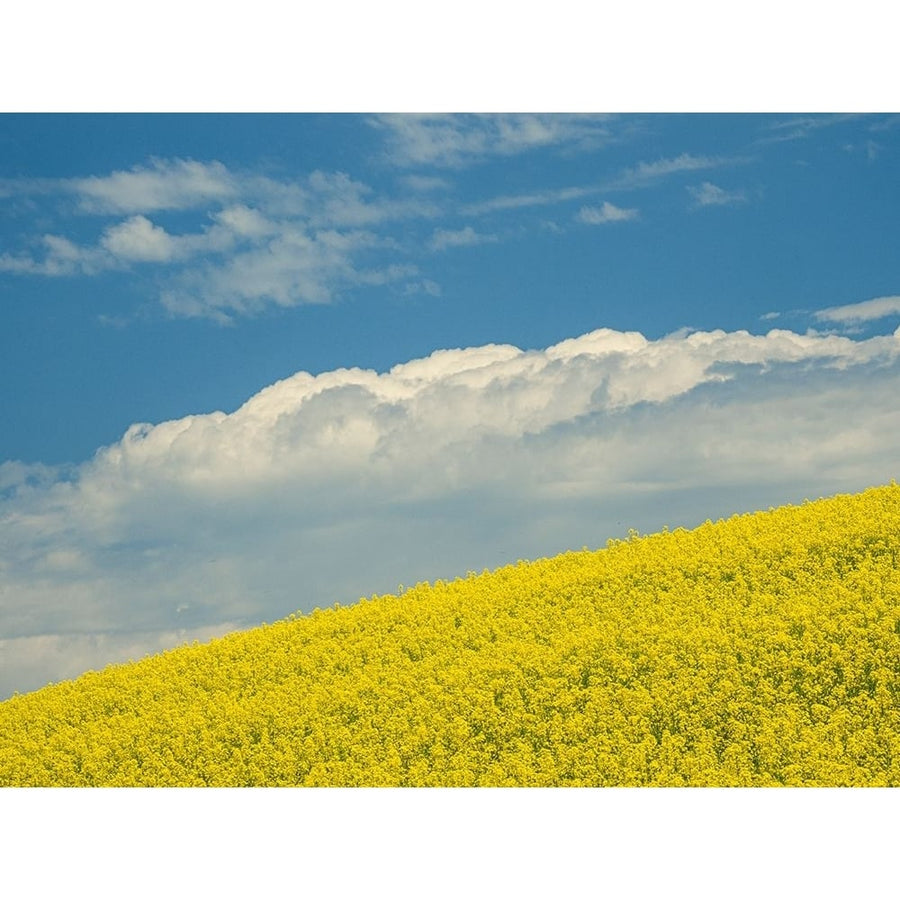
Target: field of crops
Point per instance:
(761, 650)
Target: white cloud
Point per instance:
(661, 167)
(261, 241)
(333, 200)
(61, 257)
(425, 183)
(325, 488)
(709, 194)
(15, 475)
(866, 311)
(537, 198)
(457, 140)
(426, 286)
(295, 266)
(140, 240)
(329, 200)
(647, 172)
(245, 221)
(603, 215)
(640, 176)
(800, 127)
(464, 237)
(163, 185)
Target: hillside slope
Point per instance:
(761, 650)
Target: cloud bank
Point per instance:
(322, 489)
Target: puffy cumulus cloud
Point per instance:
(856, 313)
(457, 140)
(605, 214)
(139, 239)
(326, 488)
(709, 194)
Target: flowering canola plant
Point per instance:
(761, 650)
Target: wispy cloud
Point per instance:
(425, 183)
(645, 173)
(642, 175)
(534, 198)
(871, 149)
(425, 286)
(293, 267)
(799, 128)
(884, 123)
(60, 257)
(329, 487)
(442, 239)
(605, 214)
(866, 311)
(162, 185)
(709, 194)
(457, 140)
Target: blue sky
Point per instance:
(453, 233)
(254, 364)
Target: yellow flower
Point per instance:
(761, 650)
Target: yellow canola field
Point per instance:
(761, 650)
